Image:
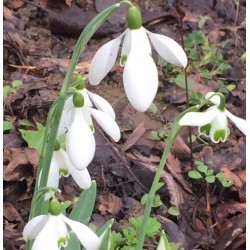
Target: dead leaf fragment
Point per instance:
(10, 213)
(111, 204)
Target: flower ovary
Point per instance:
(78, 100)
(55, 207)
(134, 18)
(57, 146)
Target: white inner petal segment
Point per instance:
(168, 49)
(126, 46)
(219, 123)
(103, 61)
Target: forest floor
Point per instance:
(38, 44)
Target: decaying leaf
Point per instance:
(111, 204)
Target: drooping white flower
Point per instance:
(213, 122)
(76, 120)
(90, 99)
(51, 232)
(62, 166)
(140, 75)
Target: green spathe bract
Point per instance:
(134, 18)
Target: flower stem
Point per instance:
(127, 2)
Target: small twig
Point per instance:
(209, 221)
(120, 155)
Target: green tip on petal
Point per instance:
(57, 146)
(63, 172)
(62, 242)
(123, 60)
(78, 100)
(134, 18)
(205, 130)
(220, 135)
(55, 207)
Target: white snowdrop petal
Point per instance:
(87, 101)
(86, 236)
(102, 104)
(140, 79)
(199, 118)
(87, 116)
(34, 226)
(81, 177)
(240, 123)
(80, 142)
(53, 178)
(64, 122)
(140, 41)
(103, 61)
(107, 123)
(126, 46)
(219, 123)
(168, 49)
(47, 238)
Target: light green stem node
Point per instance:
(222, 102)
(57, 145)
(81, 82)
(134, 18)
(55, 207)
(78, 100)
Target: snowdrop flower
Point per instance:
(140, 75)
(213, 122)
(61, 166)
(51, 231)
(80, 141)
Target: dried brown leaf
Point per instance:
(111, 204)
(134, 137)
(10, 213)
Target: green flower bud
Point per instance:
(78, 100)
(134, 18)
(55, 207)
(57, 146)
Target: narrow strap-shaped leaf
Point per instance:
(83, 209)
(57, 107)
